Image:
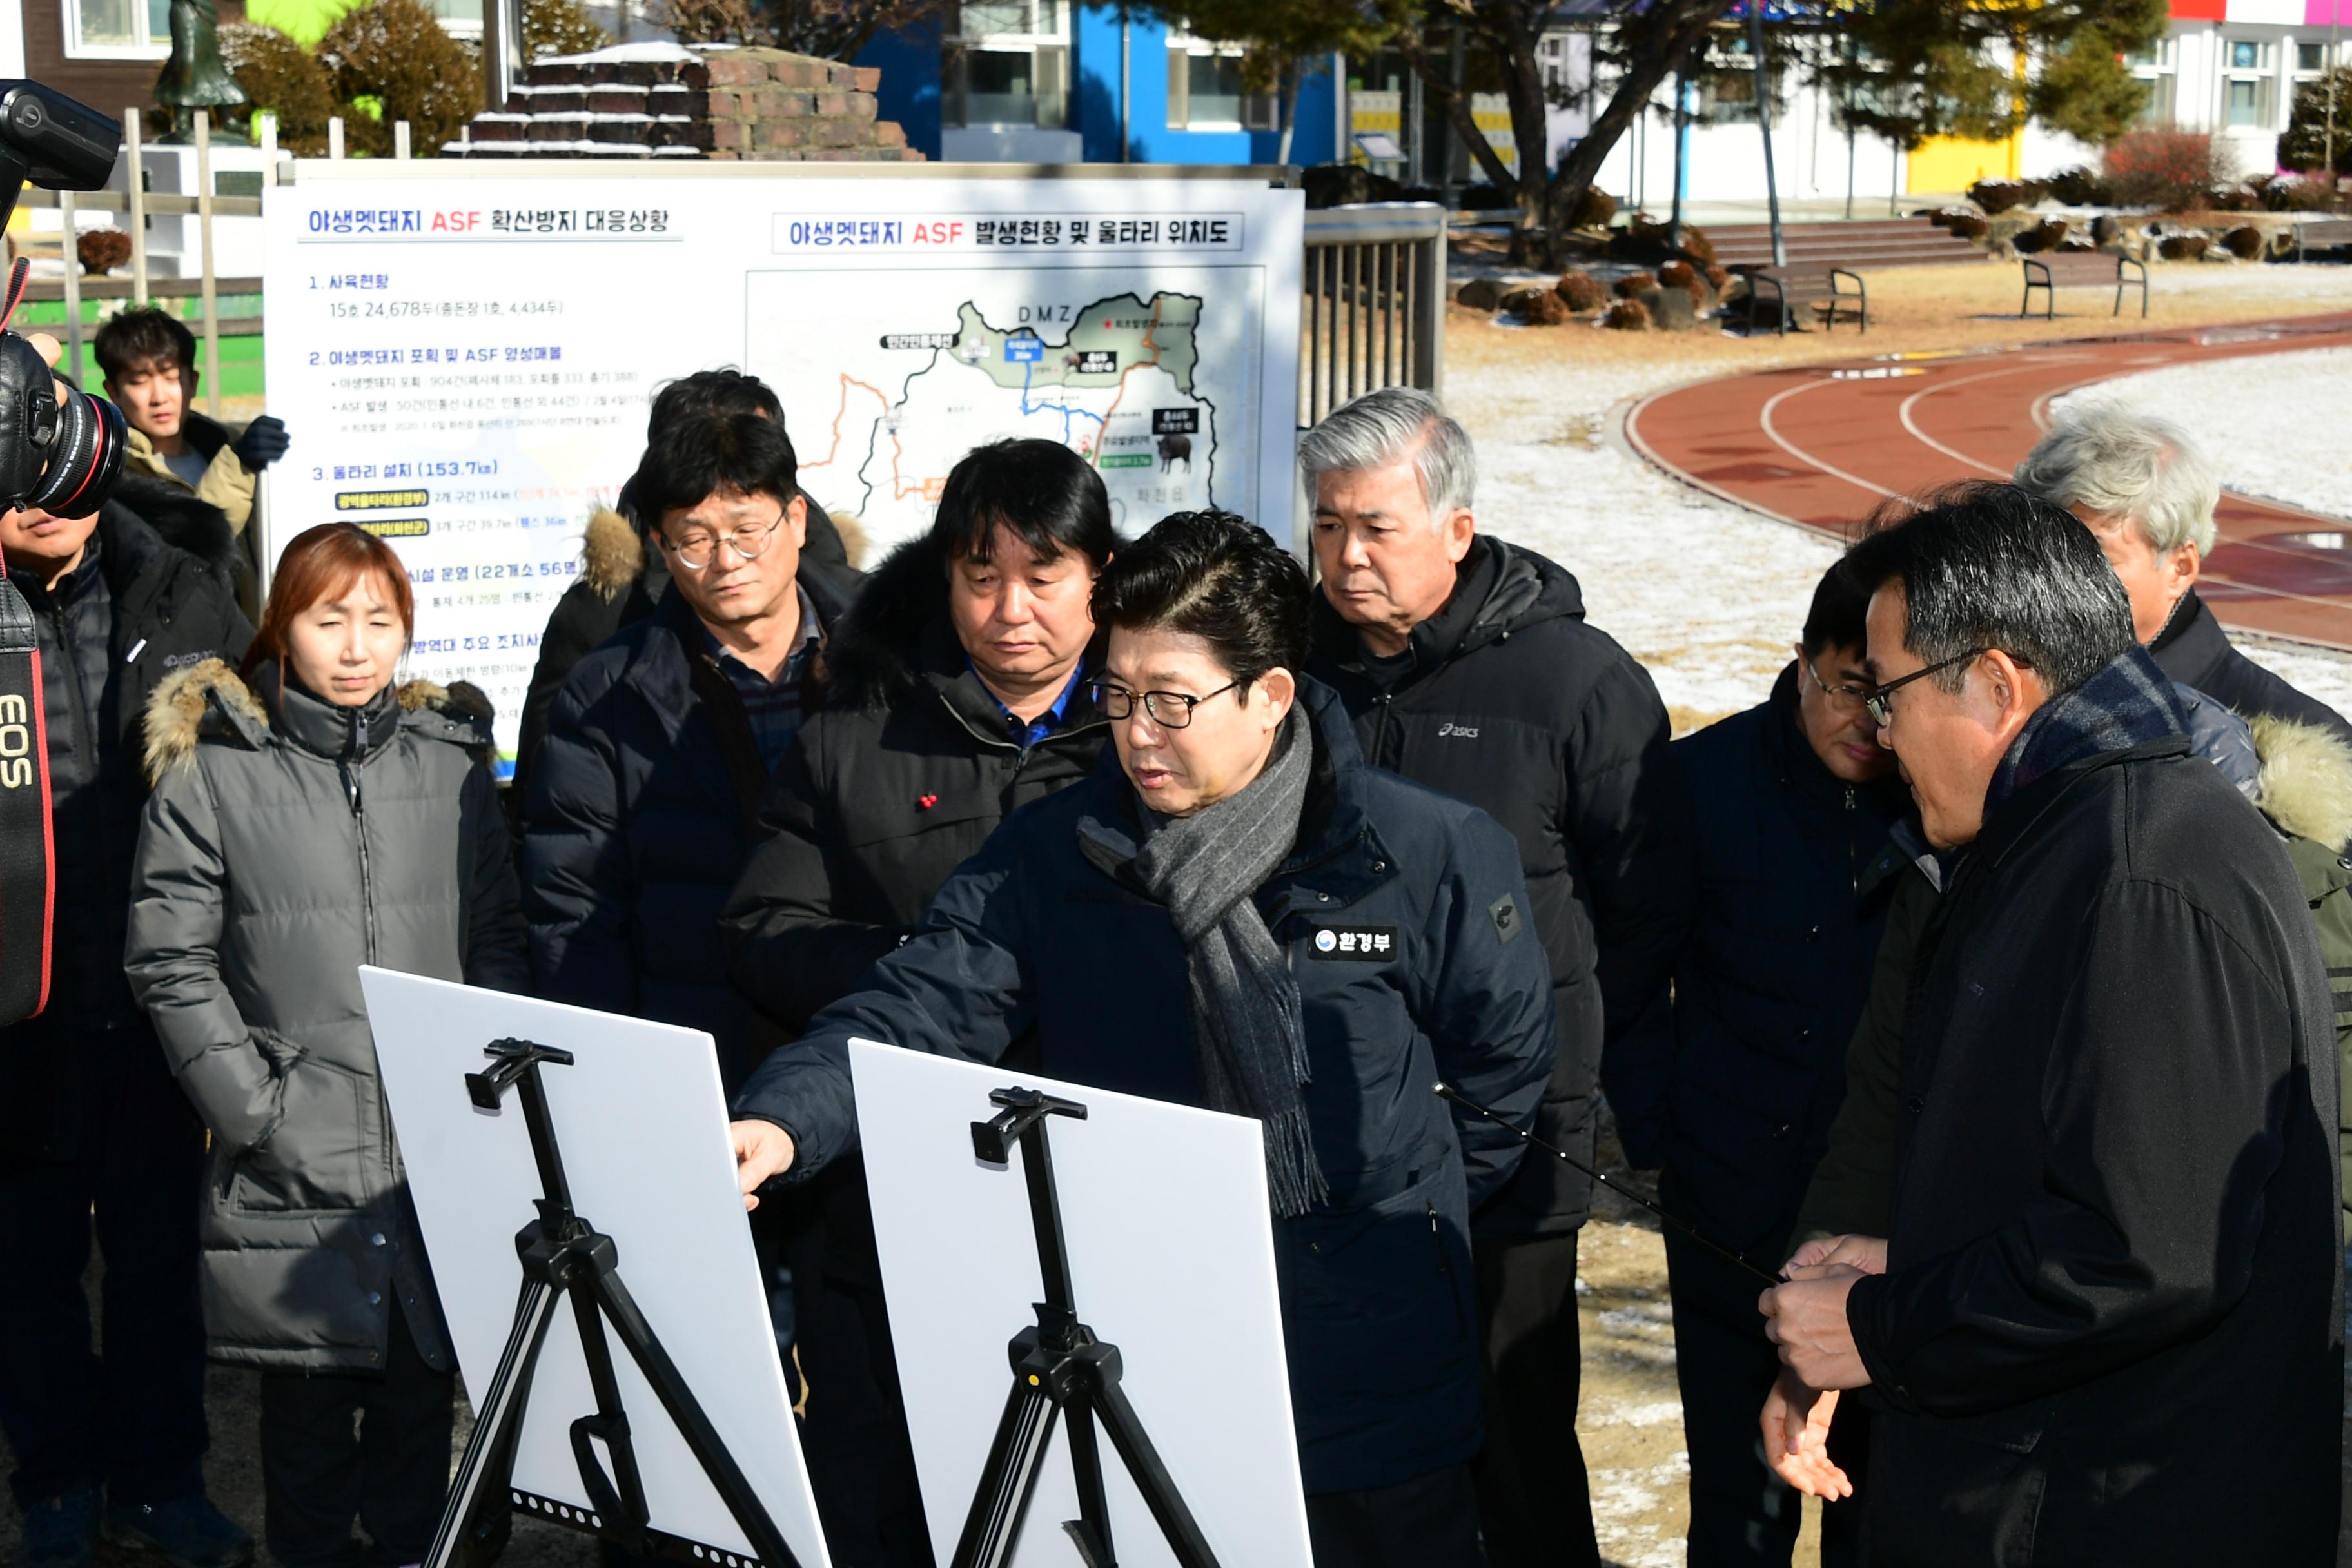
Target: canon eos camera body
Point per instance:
(58, 452)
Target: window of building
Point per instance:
(1727, 84)
(1008, 64)
(1205, 88)
(461, 17)
(2310, 59)
(2249, 85)
(2158, 67)
(118, 30)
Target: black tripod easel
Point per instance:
(1061, 1370)
(564, 1257)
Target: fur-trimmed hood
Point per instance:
(611, 553)
(2306, 783)
(211, 701)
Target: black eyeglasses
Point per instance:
(1169, 709)
(1882, 712)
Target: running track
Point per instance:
(1823, 445)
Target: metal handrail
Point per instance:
(1374, 314)
(153, 204)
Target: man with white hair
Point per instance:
(2147, 496)
(1468, 666)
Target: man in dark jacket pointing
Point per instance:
(2107, 1324)
(1468, 666)
(1235, 911)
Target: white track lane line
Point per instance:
(1772, 430)
(1912, 402)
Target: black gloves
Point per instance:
(264, 442)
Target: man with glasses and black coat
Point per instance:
(1734, 1091)
(1235, 910)
(662, 744)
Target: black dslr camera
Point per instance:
(61, 451)
(54, 452)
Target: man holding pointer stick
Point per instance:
(2111, 1294)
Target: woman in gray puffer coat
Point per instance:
(307, 819)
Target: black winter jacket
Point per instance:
(157, 598)
(1735, 1092)
(2192, 650)
(1377, 1294)
(900, 780)
(622, 578)
(638, 823)
(2111, 1329)
(1515, 704)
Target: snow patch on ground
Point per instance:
(2273, 424)
(1710, 597)
(2270, 422)
(1625, 1503)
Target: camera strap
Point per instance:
(27, 867)
(27, 854)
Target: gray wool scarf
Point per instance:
(1247, 1022)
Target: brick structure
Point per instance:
(660, 101)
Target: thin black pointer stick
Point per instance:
(1447, 1091)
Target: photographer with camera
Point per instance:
(117, 598)
(91, 1123)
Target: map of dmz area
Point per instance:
(1114, 379)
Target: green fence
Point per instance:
(240, 348)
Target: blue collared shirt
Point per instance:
(1027, 733)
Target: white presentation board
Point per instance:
(643, 1129)
(1171, 1259)
(466, 362)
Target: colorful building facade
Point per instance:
(1049, 81)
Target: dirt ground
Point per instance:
(1948, 309)
(1629, 1417)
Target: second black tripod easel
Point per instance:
(1061, 1371)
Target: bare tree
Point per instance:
(1645, 41)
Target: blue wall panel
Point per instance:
(909, 90)
(909, 60)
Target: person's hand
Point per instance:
(764, 1151)
(51, 351)
(1796, 1422)
(1806, 1318)
(1867, 1252)
(264, 442)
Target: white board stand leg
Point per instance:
(1060, 1368)
(563, 1257)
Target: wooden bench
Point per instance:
(1819, 284)
(2080, 269)
(2325, 233)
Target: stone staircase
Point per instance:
(1861, 244)
(662, 100)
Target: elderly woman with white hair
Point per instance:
(2147, 495)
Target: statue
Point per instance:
(196, 76)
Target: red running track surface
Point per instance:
(1822, 444)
